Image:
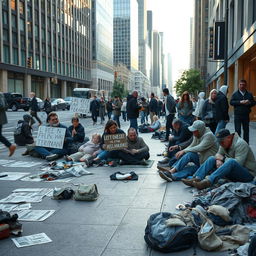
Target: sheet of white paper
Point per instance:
(35, 215)
(2, 161)
(22, 207)
(8, 207)
(22, 164)
(16, 198)
(24, 241)
(36, 191)
(13, 175)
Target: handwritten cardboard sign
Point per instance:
(50, 137)
(80, 105)
(115, 141)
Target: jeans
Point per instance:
(221, 125)
(116, 118)
(242, 121)
(182, 170)
(186, 119)
(94, 117)
(124, 115)
(3, 139)
(109, 115)
(50, 151)
(231, 169)
(169, 120)
(34, 114)
(134, 123)
(143, 116)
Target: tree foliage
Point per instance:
(190, 81)
(119, 90)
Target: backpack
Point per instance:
(124, 176)
(86, 193)
(164, 238)
(18, 128)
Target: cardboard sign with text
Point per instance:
(50, 137)
(115, 141)
(80, 105)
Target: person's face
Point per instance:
(75, 123)
(113, 129)
(54, 120)
(242, 86)
(186, 97)
(176, 126)
(196, 134)
(214, 95)
(95, 139)
(226, 142)
(132, 135)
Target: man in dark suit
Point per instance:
(170, 110)
(153, 106)
(94, 109)
(243, 101)
(34, 107)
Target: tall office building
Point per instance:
(102, 46)
(157, 61)
(169, 71)
(163, 62)
(45, 46)
(149, 47)
(150, 28)
(126, 33)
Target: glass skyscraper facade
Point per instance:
(126, 33)
(45, 43)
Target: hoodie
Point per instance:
(221, 104)
(199, 106)
(206, 145)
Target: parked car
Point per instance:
(16, 101)
(58, 104)
(68, 102)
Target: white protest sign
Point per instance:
(50, 137)
(80, 105)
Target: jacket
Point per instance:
(199, 105)
(132, 108)
(170, 105)
(109, 106)
(47, 106)
(205, 145)
(241, 109)
(241, 152)
(119, 131)
(89, 148)
(117, 108)
(79, 137)
(33, 105)
(25, 136)
(183, 134)
(3, 117)
(209, 112)
(139, 144)
(94, 107)
(102, 108)
(153, 105)
(221, 107)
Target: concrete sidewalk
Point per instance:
(114, 224)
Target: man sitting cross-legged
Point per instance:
(234, 160)
(204, 144)
(137, 151)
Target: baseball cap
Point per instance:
(196, 126)
(222, 134)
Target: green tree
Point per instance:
(190, 81)
(119, 90)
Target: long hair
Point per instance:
(210, 96)
(109, 124)
(183, 99)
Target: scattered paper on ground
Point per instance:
(39, 191)
(13, 175)
(14, 163)
(35, 215)
(24, 241)
(15, 207)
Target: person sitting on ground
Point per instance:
(204, 144)
(78, 135)
(87, 151)
(110, 129)
(23, 132)
(179, 135)
(153, 127)
(51, 154)
(136, 152)
(234, 160)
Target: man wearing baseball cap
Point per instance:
(204, 144)
(234, 160)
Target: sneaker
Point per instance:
(166, 176)
(25, 153)
(52, 157)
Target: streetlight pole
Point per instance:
(226, 45)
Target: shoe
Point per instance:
(189, 182)
(25, 153)
(166, 176)
(164, 165)
(12, 149)
(164, 161)
(101, 163)
(202, 184)
(112, 164)
(52, 157)
(164, 169)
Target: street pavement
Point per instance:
(111, 226)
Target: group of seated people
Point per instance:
(199, 158)
(77, 147)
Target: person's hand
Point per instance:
(94, 154)
(134, 151)
(74, 132)
(180, 154)
(219, 163)
(247, 102)
(173, 148)
(104, 146)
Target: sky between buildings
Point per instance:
(173, 18)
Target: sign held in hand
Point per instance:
(115, 141)
(50, 137)
(80, 105)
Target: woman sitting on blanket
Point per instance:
(87, 151)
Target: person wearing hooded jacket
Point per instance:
(221, 108)
(204, 145)
(199, 106)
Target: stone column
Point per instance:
(239, 73)
(47, 89)
(3, 81)
(27, 85)
(63, 89)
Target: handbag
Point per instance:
(86, 193)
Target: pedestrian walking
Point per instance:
(117, 104)
(185, 108)
(221, 106)
(133, 109)
(34, 107)
(47, 106)
(144, 111)
(242, 101)
(3, 120)
(153, 107)
(109, 108)
(170, 110)
(200, 102)
(94, 109)
(102, 110)
(123, 110)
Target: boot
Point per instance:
(202, 184)
(189, 182)
(164, 169)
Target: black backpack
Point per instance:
(163, 238)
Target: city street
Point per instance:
(112, 225)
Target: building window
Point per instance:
(5, 18)
(240, 18)
(15, 58)
(14, 38)
(22, 25)
(23, 58)
(6, 35)
(14, 21)
(254, 11)
(21, 8)
(6, 54)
